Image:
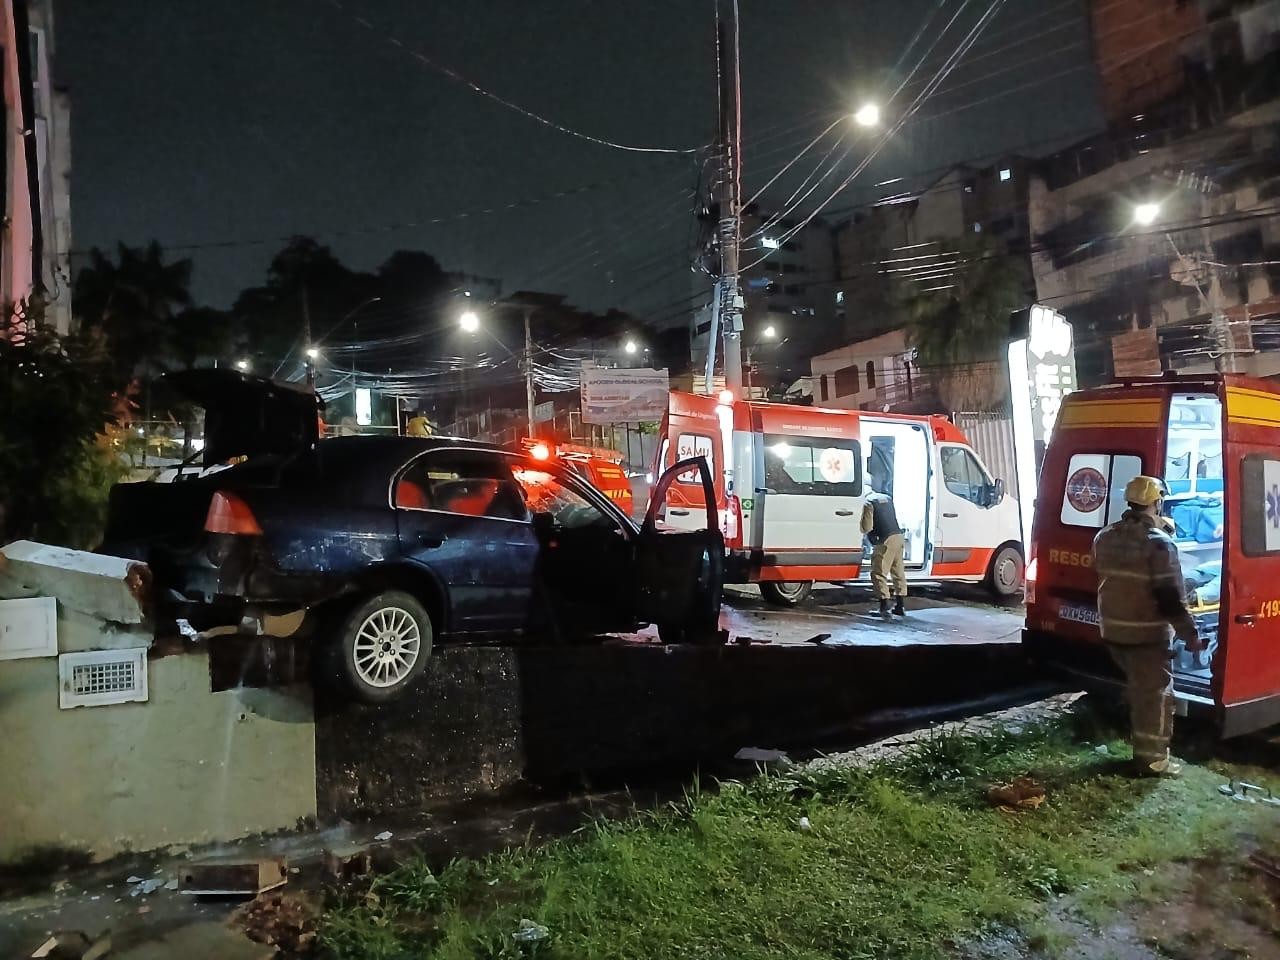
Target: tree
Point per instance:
(58, 437)
(132, 301)
(960, 332)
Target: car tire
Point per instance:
(1005, 575)
(382, 646)
(787, 594)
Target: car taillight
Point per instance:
(229, 514)
(1030, 580)
(733, 523)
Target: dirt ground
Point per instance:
(1198, 910)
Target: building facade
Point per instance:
(1158, 238)
(35, 238)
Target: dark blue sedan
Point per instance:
(384, 546)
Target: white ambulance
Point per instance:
(791, 481)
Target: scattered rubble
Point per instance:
(530, 932)
(1023, 793)
(284, 920)
(384, 836)
(73, 945)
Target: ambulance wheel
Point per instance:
(786, 594)
(1004, 578)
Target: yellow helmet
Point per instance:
(1144, 491)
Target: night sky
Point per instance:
(206, 121)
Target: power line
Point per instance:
(476, 88)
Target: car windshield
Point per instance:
(546, 493)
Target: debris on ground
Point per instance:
(819, 638)
(760, 755)
(384, 836)
(1023, 793)
(72, 945)
(142, 888)
(1241, 790)
(1102, 750)
(347, 863)
(224, 878)
(804, 825)
(286, 921)
(530, 932)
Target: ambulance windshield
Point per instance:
(1194, 507)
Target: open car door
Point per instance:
(681, 571)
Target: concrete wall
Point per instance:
(187, 766)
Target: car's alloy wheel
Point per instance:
(383, 645)
(387, 646)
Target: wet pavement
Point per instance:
(948, 614)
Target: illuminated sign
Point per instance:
(769, 243)
(364, 406)
(1042, 371)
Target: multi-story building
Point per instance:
(35, 237)
(907, 240)
(873, 374)
(787, 285)
(1158, 238)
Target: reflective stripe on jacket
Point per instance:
(1140, 583)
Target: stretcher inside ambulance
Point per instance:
(1215, 441)
(791, 482)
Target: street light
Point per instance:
(469, 321)
(1145, 214)
(867, 115)
(630, 346)
(242, 364)
(769, 332)
(312, 353)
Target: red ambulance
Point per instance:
(1215, 440)
(791, 481)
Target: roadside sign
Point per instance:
(544, 411)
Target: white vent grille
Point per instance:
(99, 677)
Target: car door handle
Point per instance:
(1247, 619)
(431, 539)
(677, 513)
(844, 513)
(951, 516)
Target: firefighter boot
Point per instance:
(884, 607)
(898, 609)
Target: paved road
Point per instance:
(935, 615)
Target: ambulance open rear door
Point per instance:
(1246, 667)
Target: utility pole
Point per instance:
(727, 313)
(306, 337)
(528, 365)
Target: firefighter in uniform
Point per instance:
(888, 575)
(1140, 604)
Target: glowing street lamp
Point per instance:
(769, 332)
(242, 365)
(469, 321)
(867, 115)
(630, 346)
(312, 353)
(1145, 214)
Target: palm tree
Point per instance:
(960, 332)
(132, 300)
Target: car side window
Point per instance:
(544, 492)
(463, 482)
(962, 475)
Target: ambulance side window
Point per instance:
(1093, 495)
(809, 466)
(694, 445)
(1260, 506)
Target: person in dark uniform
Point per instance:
(888, 572)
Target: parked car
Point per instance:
(388, 545)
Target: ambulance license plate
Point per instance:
(1078, 613)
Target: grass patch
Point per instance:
(900, 860)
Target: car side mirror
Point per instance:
(997, 492)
